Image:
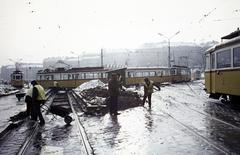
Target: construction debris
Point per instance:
(95, 96)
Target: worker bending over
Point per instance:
(38, 98)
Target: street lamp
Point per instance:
(77, 56)
(169, 39)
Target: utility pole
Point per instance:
(169, 50)
(101, 57)
(78, 56)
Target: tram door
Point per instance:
(212, 73)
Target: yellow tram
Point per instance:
(72, 78)
(17, 79)
(222, 74)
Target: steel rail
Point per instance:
(33, 132)
(82, 134)
(209, 142)
(207, 115)
(27, 142)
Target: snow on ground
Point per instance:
(90, 84)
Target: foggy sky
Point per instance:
(36, 29)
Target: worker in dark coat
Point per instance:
(148, 90)
(113, 90)
(38, 98)
(28, 100)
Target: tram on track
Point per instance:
(72, 78)
(17, 79)
(222, 74)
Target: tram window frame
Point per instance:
(80, 75)
(213, 59)
(207, 67)
(145, 74)
(139, 74)
(152, 73)
(89, 75)
(225, 61)
(173, 72)
(130, 74)
(95, 75)
(76, 76)
(69, 76)
(236, 57)
(183, 72)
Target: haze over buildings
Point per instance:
(34, 30)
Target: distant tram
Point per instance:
(17, 79)
(72, 78)
(222, 74)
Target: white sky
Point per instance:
(36, 29)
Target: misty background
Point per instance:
(42, 32)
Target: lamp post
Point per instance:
(169, 39)
(77, 57)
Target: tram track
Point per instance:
(18, 135)
(63, 99)
(81, 131)
(190, 129)
(205, 113)
(173, 100)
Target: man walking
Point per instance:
(148, 90)
(38, 98)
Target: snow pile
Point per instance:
(95, 97)
(90, 85)
(5, 89)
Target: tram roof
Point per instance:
(232, 35)
(224, 44)
(73, 70)
(155, 68)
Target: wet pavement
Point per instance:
(9, 106)
(182, 120)
(56, 138)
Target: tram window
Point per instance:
(212, 60)
(207, 61)
(89, 75)
(80, 76)
(173, 72)
(144, 74)
(95, 75)
(183, 72)
(167, 73)
(65, 76)
(236, 57)
(76, 76)
(69, 76)
(160, 73)
(224, 59)
(152, 73)
(139, 74)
